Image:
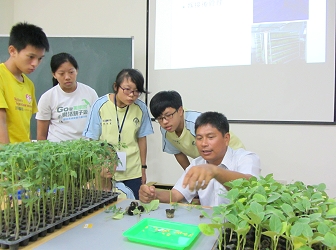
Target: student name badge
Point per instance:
(122, 161)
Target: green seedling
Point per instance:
(117, 213)
(40, 177)
(296, 215)
(153, 205)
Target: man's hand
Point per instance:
(147, 193)
(199, 176)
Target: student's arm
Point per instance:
(149, 193)
(142, 141)
(202, 174)
(183, 160)
(4, 137)
(42, 129)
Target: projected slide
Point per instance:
(191, 33)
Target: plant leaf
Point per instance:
(259, 198)
(256, 218)
(306, 204)
(329, 239)
(136, 211)
(323, 228)
(275, 224)
(307, 231)
(208, 229)
(296, 229)
(305, 248)
(298, 242)
(321, 187)
(273, 197)
(232, 194)
(331, 213)
(270, 234)
(118, 216)
(73, 174)
(256, 207)
(153, 205)
(233, 219)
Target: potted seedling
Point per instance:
(265, 214)
(171, 211)
(43, 182)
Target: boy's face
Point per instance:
(170, 119)
(211, 144)
(28, 59)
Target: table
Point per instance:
(98, 230)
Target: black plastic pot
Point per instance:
(170, 212)
(12, 243)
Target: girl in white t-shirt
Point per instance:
(63, 109)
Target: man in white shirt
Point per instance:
(217, 164)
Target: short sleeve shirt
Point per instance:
(240, 160)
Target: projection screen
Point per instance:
(253, 60)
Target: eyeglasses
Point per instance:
(166, 117)
(128, 91)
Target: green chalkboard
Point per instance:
(99, 60)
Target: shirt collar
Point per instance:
(227, 158)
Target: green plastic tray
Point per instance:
(167, 234)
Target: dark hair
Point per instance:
(163, 100)
(57, 60)
(134, 75)
(215, 119)
(23, 34)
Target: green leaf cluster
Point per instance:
(302, 215)
(53, 173)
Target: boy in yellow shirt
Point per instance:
(27, 46)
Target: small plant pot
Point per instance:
(34, 237)
(170, 212)
(51, 229)
(25, 242)
(73, 219)
(43, 233)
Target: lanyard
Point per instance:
(122, 123)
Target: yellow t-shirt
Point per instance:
(18, 98)
(235, 142)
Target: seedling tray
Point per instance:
(161, 233)
(10, 243)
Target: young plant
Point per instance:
(174, 204)
(294, 215)
(44, 175)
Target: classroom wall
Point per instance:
(291, 152)
(6, 14)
